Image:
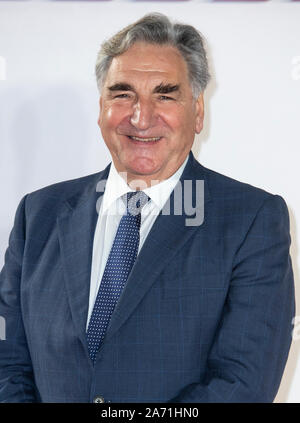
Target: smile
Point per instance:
(145, 139)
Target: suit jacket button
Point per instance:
(99, 399)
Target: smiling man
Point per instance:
(106, 297)
(148, 115)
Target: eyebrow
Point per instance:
(159, 89)
(121, 86)
(165, 88)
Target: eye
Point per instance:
(121, 96)
(165, 97)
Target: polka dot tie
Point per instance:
(119, 264)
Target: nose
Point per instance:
(142, 114)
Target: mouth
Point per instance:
(148, 140)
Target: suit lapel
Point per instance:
(76, 227)
(167, 236)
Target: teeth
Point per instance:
(145, 139)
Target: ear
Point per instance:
(199, 114)
(100, 108)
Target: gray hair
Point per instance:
(156, 28)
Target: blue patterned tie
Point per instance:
(119, 264)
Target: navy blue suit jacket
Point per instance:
(205, 316)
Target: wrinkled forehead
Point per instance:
(146, 61)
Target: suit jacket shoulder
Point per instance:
(51, 199)
(234, 193)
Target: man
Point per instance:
(108, 301)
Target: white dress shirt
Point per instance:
(111, 211)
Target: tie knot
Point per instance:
(135, 201)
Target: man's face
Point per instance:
(148, 116)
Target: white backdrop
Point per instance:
(49, 101)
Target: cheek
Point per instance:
(182, 124)
(110, 117)
(186, 121)
(175, 120)
(106, 118)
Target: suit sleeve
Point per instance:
(251, 346)
(16, 374)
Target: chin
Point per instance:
(144, 167)
(139, 171)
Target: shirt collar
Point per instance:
(159, 193)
